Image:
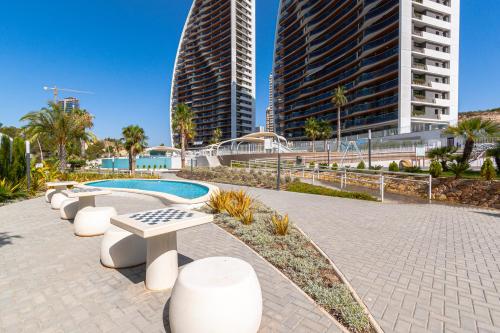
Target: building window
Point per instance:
(436, 111)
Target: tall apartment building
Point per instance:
(69, 103)
(214, 70)
(397, 59)
(269, 109)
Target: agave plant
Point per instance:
(219, 202)
(9, 190)
(280, 224)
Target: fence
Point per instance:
(344, 176)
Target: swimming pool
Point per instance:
(179, 189)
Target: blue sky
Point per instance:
(124, 52)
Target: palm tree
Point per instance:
(216, 136)
(473, 129)
(59, 126)
(495, 153)
(325, 131)
(184, 127)
(312, 130)
(339, 100)
(135, 142)
(443, 155)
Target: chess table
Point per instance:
(86, 195)
(159, 227)
(60, 186)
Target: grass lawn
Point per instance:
(321, 190)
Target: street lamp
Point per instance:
(369, 149)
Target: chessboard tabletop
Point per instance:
(65, 183)
(85, 192)
(160, 221)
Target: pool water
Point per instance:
(181, 189)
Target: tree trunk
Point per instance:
(183, 151)
(497, 161)
(469, 146)
(40, 147)
(338, 129)
(444, 165)
(131, 160)
(62, 157)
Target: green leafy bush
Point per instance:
(458, 168)
(320, 190)
(393, 166)
(335, 166)
(376, 167)
(17, 169)
(488, 171)
(312, 165)
(361, 165)
(435, 169)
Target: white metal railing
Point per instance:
(341, 175)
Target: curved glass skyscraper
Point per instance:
(397, 59)
(214, 70)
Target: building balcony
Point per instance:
(430, 37)
(432, 53)
(432, 5)
(431, 85)
(426, 101)
(432, 21)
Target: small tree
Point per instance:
(393, 166)
(312, 130)
(495, 153)
(339, 99)
(17, 169)
(488, 170)
(325, 132)
(361, 165)
(217, 135)
(135, 142)
(435, 169)
(184, 126)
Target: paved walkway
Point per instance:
(52, 281)
(418, 267)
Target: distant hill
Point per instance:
(492, 114)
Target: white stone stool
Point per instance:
(120, 248)
(93, 221)
(217, 294)
(48, 194)
(69, 208)
(57, 200)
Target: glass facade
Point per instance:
(323, 44)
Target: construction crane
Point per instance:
(56, 90)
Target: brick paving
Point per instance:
(418, 267)
(52, 281)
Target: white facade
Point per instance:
(429, 57)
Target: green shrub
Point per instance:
(458, 168)
(394, 167)
(435, 169)
(17, 169)
(412, 169)
(323, 165)
(320, 190)
(335, 166)
(361, 165)
(488, 171)
(149, 167)
(376, 167)
(312, 165)
(4, 156)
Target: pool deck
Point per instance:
(52, 281)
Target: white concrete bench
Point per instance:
(120, 248)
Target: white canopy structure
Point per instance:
(257, 138)
(163, 149)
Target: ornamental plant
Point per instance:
(393, 166)
(361, 165)
(488, 171)
(435, 169)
